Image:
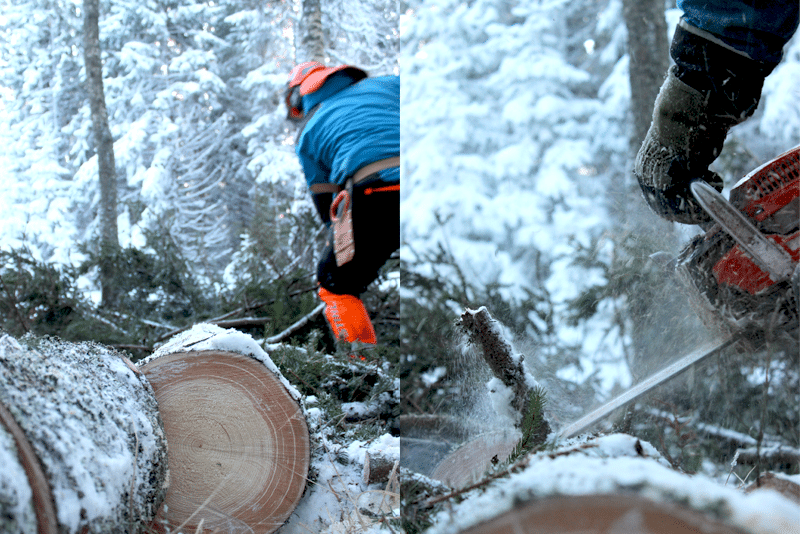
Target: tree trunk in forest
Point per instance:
(648, 50)
(109, 240)
(312, 44)
(239, 449)
(81, 442)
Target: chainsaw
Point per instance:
(741, 274)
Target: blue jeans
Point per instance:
(760, 29)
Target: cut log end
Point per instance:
(238, 443)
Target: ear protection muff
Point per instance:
(294, 101)
(295, 98)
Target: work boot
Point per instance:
(348, 318)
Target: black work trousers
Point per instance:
(376, 233)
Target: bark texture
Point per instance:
(92, 424)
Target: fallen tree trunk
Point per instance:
(238, 442)
(81, 437)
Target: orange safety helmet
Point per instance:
(308, 77)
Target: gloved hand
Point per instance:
(682, 142)
(709, 89)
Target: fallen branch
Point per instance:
(277, 338)
(244, 322)
(774, 455)
(483, 330)
(243, 309)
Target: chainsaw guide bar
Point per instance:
(673, 370)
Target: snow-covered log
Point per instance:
(788, 486)
(600, 514)
(81, 443)
(238, 440)
(611, 484)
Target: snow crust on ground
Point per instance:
(612, 464)
(338, 501)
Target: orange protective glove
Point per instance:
(348, 317)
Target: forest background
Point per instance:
(518, 127)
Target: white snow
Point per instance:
(206, 336)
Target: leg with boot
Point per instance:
(376, 235)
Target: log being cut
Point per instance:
(238, 440)
(82, 447)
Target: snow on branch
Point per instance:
(507, 366)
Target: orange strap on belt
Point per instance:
(385, 189)
(359, 175)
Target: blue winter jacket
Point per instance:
(758, 28)
(355, 124)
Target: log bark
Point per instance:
(86, 433)
(238, 443)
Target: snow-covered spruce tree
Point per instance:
(510, 129)
(41, 75)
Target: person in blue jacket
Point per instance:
(723, 50)
(349, 149)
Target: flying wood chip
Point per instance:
(238, 443)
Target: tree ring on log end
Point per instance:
(601, 514)
(238, 444)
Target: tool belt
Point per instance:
(341, 210)
(359, 176)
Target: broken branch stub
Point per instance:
(485, 332)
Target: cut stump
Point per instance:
(238, 443)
